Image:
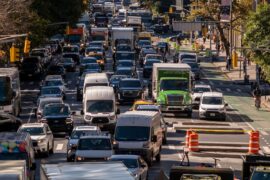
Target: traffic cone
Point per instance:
(188, 133)
(254, 145)
(193, 142)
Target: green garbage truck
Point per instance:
(171, 87)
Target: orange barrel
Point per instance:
(188, 133)
(254, 145)
(193, 142)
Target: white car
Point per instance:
(197, 92)
(212, 106)
(135, 164)
(41, 136)
(77, 132)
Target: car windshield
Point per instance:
(136, 84)
(126, 72)
(129, 163)
(92, 66)
(120, 56)
(89, 60)
(260, 175)
(54, 83)
(201, 89)
(116, 78)
(56, 110)
(154, 57)
(188, 56)
(123, 48)
(174, 84)
(100, 106)
(95, 144)
(193, 65)
(5, 89)
(45, 91)
(33, 130)
(78, 134)
(125, 64)
(68, 60)
(212, 100)
(150, 63)
(132, 133)
(93, 49)
(143, 42)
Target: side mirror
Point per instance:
(154, 138)
(118, 111)
(73, 113)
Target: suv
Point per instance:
(55, 80)
(197, 92)
(59, 117)
(130, 89)
(212, 106)
(94, 147)
(32, 67)
(75, 136)
(41, 135)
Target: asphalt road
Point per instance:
(241, 112)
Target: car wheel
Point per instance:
(51, 150)
(46, 153)
(158, 156)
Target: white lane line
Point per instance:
(172, 147)
(264, 133)
(59, 147)
(266, 149)
(227, 89)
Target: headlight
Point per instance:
(112, 117)
(41, 141)
(203, 109)
(87, 117)
(68, 120)
(221, 109)
(79, 158)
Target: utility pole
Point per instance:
(231, 29)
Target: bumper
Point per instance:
(145, 153)
(212, 115)
(168, 108)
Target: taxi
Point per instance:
(140, 102)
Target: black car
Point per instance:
(129, 89)
(59, 117)
(148, 67)
(115, 79)
(32, 67)
(127, 71)
(69, 64)
(74, 56)
(56, 70)
(9, 123)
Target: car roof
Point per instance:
(86, 128)
(212, 94)
(130, 79)
(124, 68)
(125, 156)
(53, 77)
(202, 85)
(50, 99)
(50, 87)
(33, 125)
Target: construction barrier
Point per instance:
(254, 145)
(188, 133)
(193, 142)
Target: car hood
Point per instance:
(38, 137)
(94, 153)
(130, 88)
(194, 95)
(56, 116)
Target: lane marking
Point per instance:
(266, 149)
(59, 147)
(172, 147)
(264, 133)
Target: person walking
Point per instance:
(228, 63)
(204, 39)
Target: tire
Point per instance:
(48, 151)
(158, 157)
(51, 150)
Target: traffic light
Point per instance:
(27, 44)
(14, 54)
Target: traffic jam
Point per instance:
(106, 88)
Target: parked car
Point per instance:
(135, 164)
(41, 136)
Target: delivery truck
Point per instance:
(122, 34)
(171, 87)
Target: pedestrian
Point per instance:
(228, 63)
(259, 72)
(245, 65)
(204, 39)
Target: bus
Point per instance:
(10, 94)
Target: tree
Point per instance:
(257, 37)
(210, 10)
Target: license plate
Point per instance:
(212, 114)
(56, 121)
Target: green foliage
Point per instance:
(258, 36)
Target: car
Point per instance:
(197, 92)
(187, 55)
(212, 106)
(52, 91)
(140, 102)
(196, 71)
(142, 43)
(59, 117)
(57, 70)
(143, 54)
(114, 81)
(135, 164)
(101, 59)
(123, 47)
(93, 49)
(125, 63)
(93, 67)
(43, 53)
(153, 57)
(72, 51)
(32, 67)
(85, 61)
(9, 123)
(55, 80)
(94, 147)
(129, 89)
(41, 136)
(127, 71)
(73, 139)
(148, 67)
(42, 101)
(69, 64)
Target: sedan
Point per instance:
(135, 164)
(69, 64)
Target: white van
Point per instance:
(212, 106)
(99, 106)
(140, 133)
(95, 79)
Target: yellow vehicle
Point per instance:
(100, 58)
(144, 36)
(140, 102)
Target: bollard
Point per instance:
(188, 133)
(254, 145)
(193, 142)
